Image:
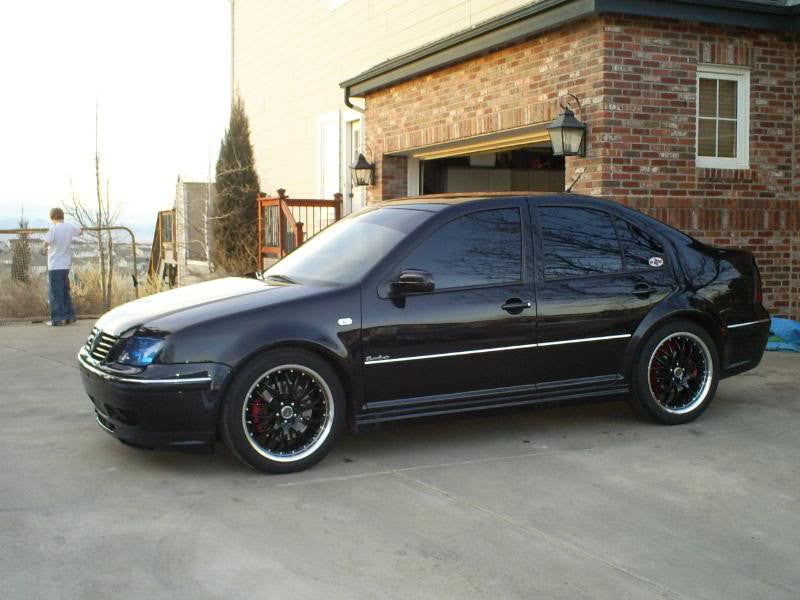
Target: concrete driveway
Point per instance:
(576, 502)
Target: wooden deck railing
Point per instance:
(165, 249)
(285, 223)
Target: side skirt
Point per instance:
(412, 408)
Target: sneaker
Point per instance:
(70, 321)
(55, 323)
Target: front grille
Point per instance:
(100, 344)
(126, 417)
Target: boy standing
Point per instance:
(57, 243)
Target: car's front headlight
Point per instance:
(140, 351)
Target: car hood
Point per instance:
(149, 308)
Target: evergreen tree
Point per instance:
(235, 220)
(21, 254)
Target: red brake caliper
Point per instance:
(255, 416)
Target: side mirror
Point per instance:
(412, 281)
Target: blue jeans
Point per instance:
(61, 308)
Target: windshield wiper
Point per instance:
(283, 278)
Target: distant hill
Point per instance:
(143, 234)
(13, 223)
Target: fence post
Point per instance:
(260, 229)
(337, 210)
(135, 269)
(281, 229)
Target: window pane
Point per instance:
(727, 139)
(707, 101)
(727, 99)
(578, 241)
(481, 248)
(706, 137)
(638, 247)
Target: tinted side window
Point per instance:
(481, 248)
(578, 241)
(638, 247)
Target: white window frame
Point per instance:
(358, 198)
(742, 78)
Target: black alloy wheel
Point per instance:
(676, 375)
(287, 413)
(680, 372)
(283, 411)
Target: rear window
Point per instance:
(640, 250)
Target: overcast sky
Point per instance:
(160, 72)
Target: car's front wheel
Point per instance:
(284, 411)
(676, 375)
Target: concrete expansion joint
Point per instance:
(549, 538)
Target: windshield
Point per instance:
(344, 252)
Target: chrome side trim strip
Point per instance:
(748, 323)
(446, 354)
(591, 339)
(499, 349)
(117, 379)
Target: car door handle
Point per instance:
(515, 305)
(643, 290)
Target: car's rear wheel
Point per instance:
(284, 411)
(676, 376)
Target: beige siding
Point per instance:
(289, 57)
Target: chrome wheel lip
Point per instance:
(324, 430)
(702, 393)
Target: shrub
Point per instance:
(236, 220)
(87, 290)
(23, 299)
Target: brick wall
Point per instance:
(513, 87)
(645, 135)
(636, 79)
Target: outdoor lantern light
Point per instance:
(568, 134)
(363, 171)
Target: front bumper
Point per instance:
(162, 407)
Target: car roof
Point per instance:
(438, 202)
(441, 201)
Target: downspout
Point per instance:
(349, 104)
(358, 109)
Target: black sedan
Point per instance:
(429, 306)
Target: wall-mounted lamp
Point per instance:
(363, 171)
(568, 134)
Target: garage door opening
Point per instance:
(523, 169)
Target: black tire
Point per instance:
(284, 411)
(676, 375)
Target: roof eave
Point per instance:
(772, 17)
(548, 14)
(460, 46)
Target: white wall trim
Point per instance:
(323, 120)
(349, 118)
(413, 176)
